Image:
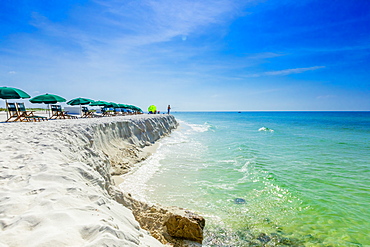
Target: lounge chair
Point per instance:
(13, 112)
(106, 113)
(117, 112)
(29, 114)
(86, 112)
(16, 115)
(57, 113)
(124, 112)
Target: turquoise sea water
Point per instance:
(268, 178)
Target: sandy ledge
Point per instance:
(56, 187)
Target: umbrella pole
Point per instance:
(6, 109)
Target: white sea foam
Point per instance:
(200, 127)
(265, 129)
(227, 161)
(135, 182)
(245, 167)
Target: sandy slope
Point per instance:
(54, 180)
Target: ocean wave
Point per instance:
(227, 161)
(195, 127)
(245, 167)
(136, 181)
(200, 127)
(265, 129)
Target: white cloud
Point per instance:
(286, 71)
(127, 34)
(264, 55)
(12, 72)
(128, 24)
(328, 96)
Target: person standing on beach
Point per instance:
(168, 109)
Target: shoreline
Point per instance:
(56, 182)
(148, 151)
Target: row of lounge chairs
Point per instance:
(117, 112)
(18, 112)
(104, 113)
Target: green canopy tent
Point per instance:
(12, 93)
(47, 99)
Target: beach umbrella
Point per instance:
(123, 106)
(12, 93)
(114, 105)
(135, 108)
(138, 109)
(47, 99)
(99, 103)
(152, 108)
(80, 101)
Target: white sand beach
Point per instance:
(55, 182)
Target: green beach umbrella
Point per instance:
(152, 108)
(123, 106)
(12, 93)
(114, 105)
(80, 101)
(135, 108)
(99, 103)
(47, 99)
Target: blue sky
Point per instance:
(195, 55)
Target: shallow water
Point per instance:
(298, 178)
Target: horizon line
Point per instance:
(271, 111)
